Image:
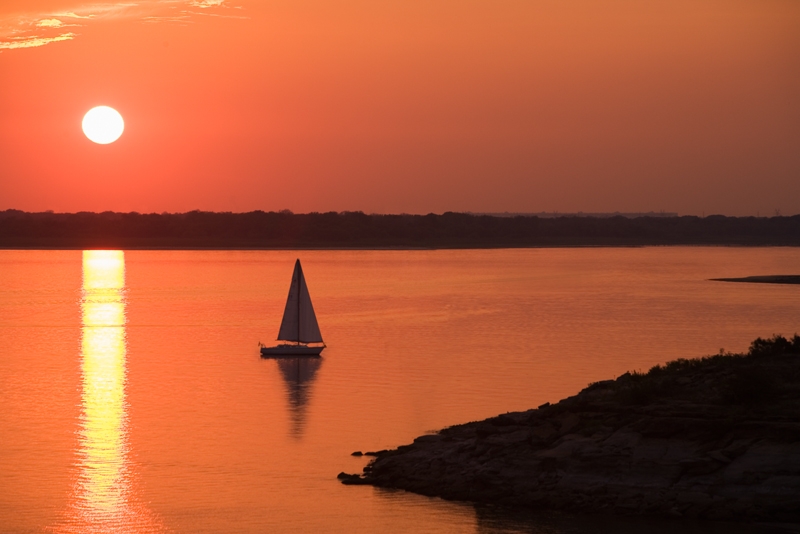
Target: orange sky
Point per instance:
(403, 106)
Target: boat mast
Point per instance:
(299, 275)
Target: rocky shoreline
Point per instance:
(714, 438)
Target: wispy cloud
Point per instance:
(34, 41)
(49, 23)
(180, 19)
(204, 4)
(70, 14)
(218, 15)
(31, 30)
(54, 23)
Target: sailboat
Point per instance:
(299, 326)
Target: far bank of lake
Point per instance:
(286, 230)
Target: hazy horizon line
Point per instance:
(502, 214)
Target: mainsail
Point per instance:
(299, 321)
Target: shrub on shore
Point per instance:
(745, 379)
(775, 345)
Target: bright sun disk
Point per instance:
(103, 125)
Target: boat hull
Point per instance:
(291, 350)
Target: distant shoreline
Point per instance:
(260, 230)
(769, 279)
(402, 248)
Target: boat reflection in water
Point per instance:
(101, 500)
(298, 374)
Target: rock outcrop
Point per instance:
(716, 438)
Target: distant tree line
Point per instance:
(284, 229)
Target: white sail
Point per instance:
(299, 321)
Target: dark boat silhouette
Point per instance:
(299, 325)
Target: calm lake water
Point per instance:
(133, 397)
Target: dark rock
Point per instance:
(568, 422)
(347, 478)
(544, 432)
(357, 453)
(485, 429)
(503, 420)
(691, 439)
(428, 438)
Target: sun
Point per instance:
(103, 125)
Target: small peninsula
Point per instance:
(768, 279)
(714, 438)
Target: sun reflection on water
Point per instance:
(102, 501)
(103, 436)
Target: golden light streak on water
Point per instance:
(102, 500)
(104, 478)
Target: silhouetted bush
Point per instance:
(639, 388)
(750, 378)
(774, 346)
